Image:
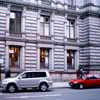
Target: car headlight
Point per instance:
(75, 82)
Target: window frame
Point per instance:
(70, 28)
(44, 56)
(71, 54)
(16, 21)
(34, 75)
(43, 23)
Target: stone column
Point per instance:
(23, 23)
(65, 59)
(77, 30)
(22, 58)
(38, 57)
(7, 58)
(38, 25)
(65, 41)
(52, 38)
(52, 26)
(51, 58)
(7, 21)
(77, 59)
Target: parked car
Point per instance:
(90, 81)
(28, 79)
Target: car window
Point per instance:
(34, 74)
(24, 75)
(90, 78)
(27, 75)
(40, 74)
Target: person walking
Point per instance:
(80, 73)
(7, 74)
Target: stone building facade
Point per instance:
(90, 35)
(55, 35)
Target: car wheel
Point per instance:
(81, 86)
(43, 87)
(11, 88)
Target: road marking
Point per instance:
(1, 93)
(25, 97)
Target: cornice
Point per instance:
(33, 6)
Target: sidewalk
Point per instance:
(60, 85)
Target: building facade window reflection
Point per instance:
(44, 58)
(71, 29)
(45, 25)
(71, 59)
(14, 57)
(15, 22)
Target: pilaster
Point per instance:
(7, 58)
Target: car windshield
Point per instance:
(17, 74)
(92, 77)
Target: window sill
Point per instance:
(72, 39)
(45, 37)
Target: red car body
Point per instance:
(85, 83)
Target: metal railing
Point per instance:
(15, 34)
(45, 37)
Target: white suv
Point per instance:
(28, 79)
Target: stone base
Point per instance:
(61, 76)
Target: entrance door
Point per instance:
(71, 59)
(14, 58)
(44, 58)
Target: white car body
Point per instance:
(22, 82)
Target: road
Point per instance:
(54, 94)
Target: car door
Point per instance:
(91, 81)
(25, 80)
(98, 81)
(35, 79)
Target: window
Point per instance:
(45, 25)
(44, 58)
(71, 4)
(71, 29)
(40, 74)
(70, 59)
(14, 57)
(15, 22)
(34, 75)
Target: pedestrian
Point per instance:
(78, 74)
(7, 74)
(81, 73)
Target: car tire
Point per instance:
(43, 87)
(11, 88)
(81, 86)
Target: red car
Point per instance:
(91, 81)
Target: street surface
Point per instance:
(54, 94)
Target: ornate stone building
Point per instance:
(57, 35)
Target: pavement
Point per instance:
(56, 85)
(60, 85)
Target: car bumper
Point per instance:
(73, 85)
(50, 85)
(3, 86)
